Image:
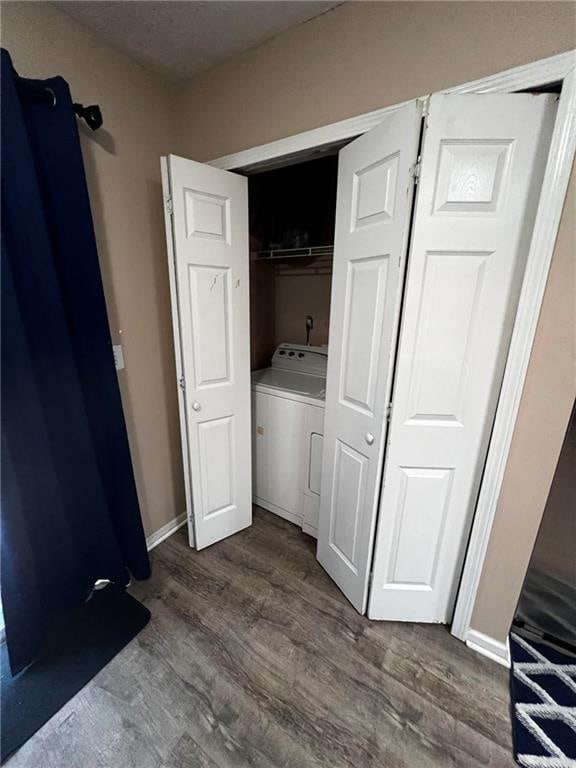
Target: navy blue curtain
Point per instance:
(70, 512)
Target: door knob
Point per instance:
(196, 406)
(369, 437)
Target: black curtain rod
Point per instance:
(91, 114)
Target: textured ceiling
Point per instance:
(179, 39)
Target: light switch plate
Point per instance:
(118, 356)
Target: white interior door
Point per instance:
(483, 160)
(209, 223)
(375, 189)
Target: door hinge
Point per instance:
(182, 383)
(388, 412)
(425, 106)
(168, 204)
(415, 171)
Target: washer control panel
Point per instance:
(300, 358)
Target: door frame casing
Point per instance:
(537, 74)
(533, 75)
(178, 355)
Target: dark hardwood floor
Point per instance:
(254, 658)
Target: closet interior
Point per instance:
(292, 213)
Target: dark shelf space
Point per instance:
(293, 207)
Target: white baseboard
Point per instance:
(290, 516)
(488, 646)
(310, 530)
(167, 530)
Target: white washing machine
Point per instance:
(287, 432)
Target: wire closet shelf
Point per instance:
(294, 253)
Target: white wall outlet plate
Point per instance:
(118, 356)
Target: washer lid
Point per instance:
(291, 381)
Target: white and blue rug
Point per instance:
(543, 688)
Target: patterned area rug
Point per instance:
(543, 689)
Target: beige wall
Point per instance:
(296, 297)
(122, 167)
(555, 550)
(359, 57)
(279, 304)
(262, 314)
(547, 400)
(362, 56)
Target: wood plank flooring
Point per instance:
(254, 658)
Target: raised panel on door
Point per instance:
(447, 328)
(209, 229)
(363, 317)
(348, 498)
(375, 188)
(210, 304)
(216, 441)
(483, 161)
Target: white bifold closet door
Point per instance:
(375, 190)
(209, 245)
(483, 161)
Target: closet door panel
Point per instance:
(208, 239)
(483, 161)
(375, 189)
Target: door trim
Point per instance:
(175, 313)
(537, 73)
(559, 68)
(301, 145)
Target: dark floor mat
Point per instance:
(543, 689)
(78, 649)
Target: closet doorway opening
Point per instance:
(206, 210)
(292, 212)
